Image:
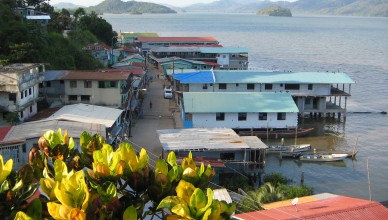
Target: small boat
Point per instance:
(290, 155)
(322, 157)
(289, 148)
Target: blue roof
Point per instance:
(195, 77)
(210, 102)
(220, 50)
(281, 77)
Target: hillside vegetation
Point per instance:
(275, 11)
(132, 7)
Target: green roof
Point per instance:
(282, 77)
(210, 102)
(220, 50)
(134, 34)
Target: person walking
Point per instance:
(150, 105)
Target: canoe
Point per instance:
(290, 155)
(289, 148)
(322, 157)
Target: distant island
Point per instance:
(130, 7)
(275, 11)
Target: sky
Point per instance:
(178, 3)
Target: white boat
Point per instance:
(289, 148)
(322, 157)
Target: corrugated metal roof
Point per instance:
(206, 102)
(92, 75)
(195, 77)
(222, 50)
(87, 114)
(54, 75)
(333, 208)
(202, 139)
(222, 195)
(281, 77)
(36, 129)
(177, 39)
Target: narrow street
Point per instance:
(164, 114)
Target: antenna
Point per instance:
(294, 202)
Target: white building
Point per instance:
(313, 92)
(238, 110)
(19, 89)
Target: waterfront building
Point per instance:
(238, 110)
(148, 43)
(133, 61)
(19, 89)
(313, 92)
(171, 65)
(219, 147)
(225, 57)
(128, 38)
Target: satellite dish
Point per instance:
(294, 202)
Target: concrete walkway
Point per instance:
(164, 114)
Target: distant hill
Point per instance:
(66, 5)
(322, 7)
(131, 7)
(275, 11)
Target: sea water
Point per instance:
(357, 46)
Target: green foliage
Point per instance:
(12, 117)
(294, 191)
(276, 11)
(116, 183)
(276, 179)
(118, 6)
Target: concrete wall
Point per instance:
(98, 96)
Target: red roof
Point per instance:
(92, 75)
(139, 64)
(177, 39)
(4, 131)
(338, 207)
(135, 71)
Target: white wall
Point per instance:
(208, 120)
(223, 59)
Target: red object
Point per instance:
(337, 207)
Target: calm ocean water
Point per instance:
(357, 46)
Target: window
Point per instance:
(310, 86)
(107, 84)
(29, 91)
(262, 116)
(242, 116)
(87, 84)
(25, 93)
(21, 114)
(73, 98)
(61, 81)
(220, 116)
(204, 86)
(30, 109)
(281, 116)
(48, 84)
(268, 86)
(250, 86)
(236, 84)
(222, 86)
(73, 84)
(188, 117)
(22, 95)
(307, 101)
(291, 87)
(281, 84)
(12, 97)
(85, 98)
(227, 156)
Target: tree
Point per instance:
(98, 26)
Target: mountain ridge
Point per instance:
(377, 8)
